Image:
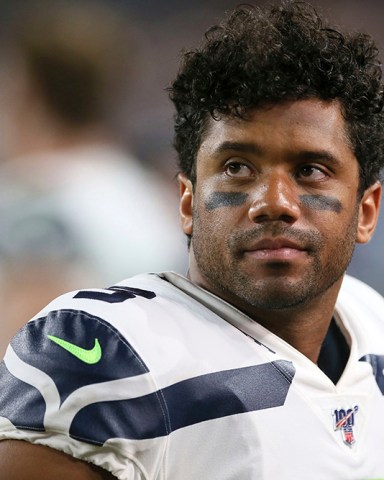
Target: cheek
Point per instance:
(216, 213)
(339, 232)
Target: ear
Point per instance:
(368, 213)
(186, 203)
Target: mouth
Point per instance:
(278, 249)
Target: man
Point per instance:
(266, 363)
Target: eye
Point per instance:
(238, 169)
(312, 173)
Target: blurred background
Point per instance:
(87, 169)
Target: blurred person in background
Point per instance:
(76, 208)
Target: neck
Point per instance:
(303, 326)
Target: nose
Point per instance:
(275, 199)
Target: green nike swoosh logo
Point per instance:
(90, 357)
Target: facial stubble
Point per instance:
(222, 263)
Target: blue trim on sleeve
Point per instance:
(118, 360)
(138, 418)
(21, 403)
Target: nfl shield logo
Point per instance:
(344, 420)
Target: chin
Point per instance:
(276, 293)
(278, 302)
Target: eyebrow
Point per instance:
(253, 148)
(243, 147)
(315, 155)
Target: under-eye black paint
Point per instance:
(225, 199)
(321, 202)
(234, 199)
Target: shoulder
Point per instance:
(94, 316)
(97, 335)
(361, 309)
(75, 378)
(357, 293)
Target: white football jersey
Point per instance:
(157, 379)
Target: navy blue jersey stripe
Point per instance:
(139, 418)
(228, 393)
(191, 401)
(118, 358)
(21, 403)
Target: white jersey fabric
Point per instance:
(156, 378)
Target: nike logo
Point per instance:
(90, 357)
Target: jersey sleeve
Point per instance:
(70, 380)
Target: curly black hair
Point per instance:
(261, 56)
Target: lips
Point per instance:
(275, 244)
(276, 249)
(262, 240)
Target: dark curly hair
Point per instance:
(287, 52)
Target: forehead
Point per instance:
(290, 127)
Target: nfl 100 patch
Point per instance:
(344, 420)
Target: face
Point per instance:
(274, 214)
